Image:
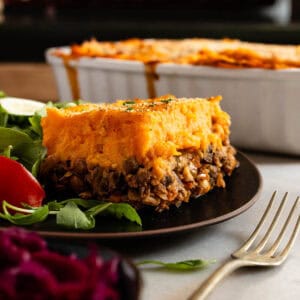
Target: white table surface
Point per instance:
(279, 173)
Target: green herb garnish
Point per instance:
(185, 265)
(128, 102)
(166, 100)
(129, 108)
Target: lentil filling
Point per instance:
(191, 174)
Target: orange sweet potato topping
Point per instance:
(149, 130)
(224, 53)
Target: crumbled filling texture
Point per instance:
(191, 174)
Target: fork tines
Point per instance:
(260, 248)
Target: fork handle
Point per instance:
(207, 286)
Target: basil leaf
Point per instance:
(185, 265)
(71, 216)
(38, 215)
(123, 210)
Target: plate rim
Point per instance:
(160, 231)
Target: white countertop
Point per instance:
(219, 241)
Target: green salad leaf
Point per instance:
(185, 265)
(21, 146)
(7, 151)
(78, 201)
(13, 137)
(70, 213)
(123, 210)
(35, 122)
(22, 135)
(3, 116)
(23, 216)
(71, 216)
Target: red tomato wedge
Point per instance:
(18, 185)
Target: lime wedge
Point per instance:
(20, 107)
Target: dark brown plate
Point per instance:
(242, 190)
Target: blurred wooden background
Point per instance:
(28, 80)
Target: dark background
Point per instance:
(27, 28)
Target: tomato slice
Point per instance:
(18, 185)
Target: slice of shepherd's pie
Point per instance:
(154, 152)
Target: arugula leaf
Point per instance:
(68, 213)
(35, 122)
(36, 165)
(185, 265)
(82, 202)
(7, 151)
(30, 217)
(14, 137)
(3, 119)
(72, 217)
(31, 154)
(3, 116)
(55, 206)
(123, 210)
(95, 210)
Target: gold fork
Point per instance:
(256, 255)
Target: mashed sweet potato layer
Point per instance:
(151, 130)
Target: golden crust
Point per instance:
(224, 53)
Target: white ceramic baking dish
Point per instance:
(263, 104)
